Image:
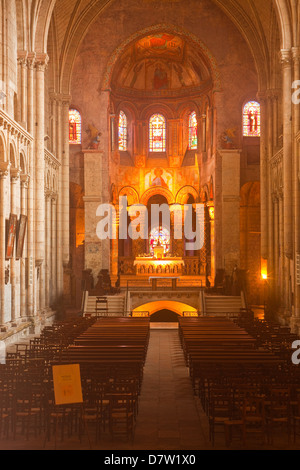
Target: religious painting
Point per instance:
(11, 236)
(21, 236)
(159, 177)
(160, 44)
(160, 80)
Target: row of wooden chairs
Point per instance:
(242, 386)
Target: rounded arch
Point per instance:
(157, 108)
(23, 165)
(42, 11)
(156, 306)
(157, 191)
(3, 156)
(207, 56)
(131, 193)
(183, 194)
(13, 155)
(283, 17)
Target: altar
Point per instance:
(166, 266)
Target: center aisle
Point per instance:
(168, 418)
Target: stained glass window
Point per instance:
(74, 127)
(157, 133)
(251, 119)
(193, 132)
(161, 235)
(122, 132)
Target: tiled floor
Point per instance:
(170, 417)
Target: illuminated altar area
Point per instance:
(166, 266)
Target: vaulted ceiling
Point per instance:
(261, 23)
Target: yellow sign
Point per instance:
(67, 384)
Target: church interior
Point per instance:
(137, 338)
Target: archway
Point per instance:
(164, 316)
(152, 308)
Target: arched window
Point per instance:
(122, 132)
(193, 131)
(157, 133)
(74, 127)
(251, 119)
(159, 235)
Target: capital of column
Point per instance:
(4, 169)
(48, 194)
(22, 58)
(285, 58)
(296, 54)
(15, 175)
(41, 62)
(31, 57)
(25, 179)
(262, 96)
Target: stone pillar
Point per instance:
(4, 171)
(264, 169)
(53, 279)
(296, 184)
(66, 182)
(231, 208)
(24, 196)
(287, 152)
(48, 235)
(30, 91)
(30, 238)
(115, 252)
(276, 241)
(22, 61)
(41, 64)
(93, 182)
(15, 178)
(59, 213)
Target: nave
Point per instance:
(212, 384)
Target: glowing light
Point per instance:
(193, 132)
(74, 127)
(157, 133)
(264, 269)
(122, 132)
(251, 119)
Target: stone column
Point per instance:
(53, 281)
(30, 238)
(231, 208)
(15, 178)
(276, 240)
(24, 196)
(93, 182)
(30, 91)
(287, 153)
(41, 64)
(204, 137)
(4, 171)
(296, 183)
(115, 252)
(48, 234)
(22, 61)
(264, 169)
(66, 182)
(59, 205)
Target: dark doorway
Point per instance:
(165, 316)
